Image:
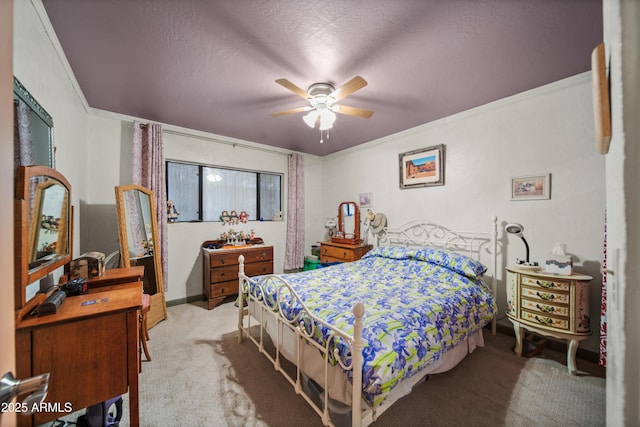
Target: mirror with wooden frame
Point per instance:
(140, 245)
(348, 224)
(43, 232)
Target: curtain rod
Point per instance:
(234, 144)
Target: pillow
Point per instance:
(393, 252)
(453, 261)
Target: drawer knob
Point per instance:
(546, 297)
(221, 273)
(545, 308)
(544, 320)
(545, 284)
(221, 260)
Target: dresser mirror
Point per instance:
(139, 243)
(348, 224)
(43, 217)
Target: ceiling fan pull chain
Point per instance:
(321, 140)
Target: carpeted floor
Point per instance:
(201, 376)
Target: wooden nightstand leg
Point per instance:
(571, 356)
(519, 331)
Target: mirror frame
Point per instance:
(21, 92)
(24, 237)
(158, 307)
(355, 240)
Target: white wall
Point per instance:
(622, 41)
(47, 76)
(546, 130)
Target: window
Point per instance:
(201, 193)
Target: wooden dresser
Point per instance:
(220, 269)
(549, 304)
(342, 252)
(90, 347)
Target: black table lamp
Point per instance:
(517, 229)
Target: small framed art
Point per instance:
(366, 200)
(531, 187)
(422, 168)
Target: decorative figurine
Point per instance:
(234, 217)
(243, 217)
(225, 218)
(172, 212)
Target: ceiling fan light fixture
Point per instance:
(327, 118)
(310, 118)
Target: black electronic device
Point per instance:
(52, 303)
(76, 286)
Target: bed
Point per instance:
(361, 335)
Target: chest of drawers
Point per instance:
(220, 270)
(549, 304)
(342, 252)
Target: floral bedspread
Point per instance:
(418, 304)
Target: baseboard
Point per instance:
(186, 300)
(554, 345)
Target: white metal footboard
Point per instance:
(303, 325)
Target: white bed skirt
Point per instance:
(340, 388)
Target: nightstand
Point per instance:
(549, 304)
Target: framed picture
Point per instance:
(531, 187)
(366, 200)
(422, 168)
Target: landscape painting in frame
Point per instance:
(531, 187)
(422, 168)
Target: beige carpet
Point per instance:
(201, 376)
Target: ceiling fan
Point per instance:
(322, 98)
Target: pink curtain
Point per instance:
(603, 302)
(294, 248)
(148, 170)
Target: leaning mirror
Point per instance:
(43, 226)
(139, 243)
(348, 224)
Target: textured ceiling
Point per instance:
(211, 65)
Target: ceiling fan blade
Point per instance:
(293, 88)
(353, 111)
(349, 87)
(293, 110)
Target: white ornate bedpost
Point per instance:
(494, 266)
(358, 361)
(240, 297)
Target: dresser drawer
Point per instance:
(551, 285)
(222, 274)
(230, 257)
(545, 308)
(542, 320)
(545, 295)
(223, 289)
(336, 253)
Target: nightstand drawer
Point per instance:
(545, 308)
(542, 320)
(543, 295)
(551, 285)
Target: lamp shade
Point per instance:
(310, 118)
